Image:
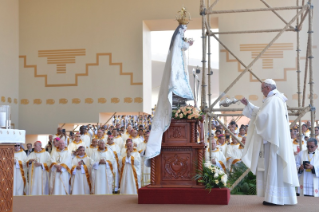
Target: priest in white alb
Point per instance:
(38, 163)
(117, 138)
(60, 172)
(81, 169)
(307, 163)
(103, 170)
(116, 153)
(145, 170)
(19, 171)
(130, 179)
(269, 131)
(93, 147)
(217, 157)
(74, 145)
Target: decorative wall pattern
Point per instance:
(66, 56)
(64, 101)
(274, 52)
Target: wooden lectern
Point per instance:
(181, 155)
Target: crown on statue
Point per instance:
(183, 16)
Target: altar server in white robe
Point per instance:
(145, 170)
(117, 138)
(116, 152)
(233, 154)
(221, 144)
(38, 163)
(81, 169)
(309, 174)
(217, 156)
(60, 171)
(269, 129)
(85, 136)
(93, 147)
(130, 180)
(103, 170)
(74, 145)
(19, 171)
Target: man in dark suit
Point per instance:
(29, 149)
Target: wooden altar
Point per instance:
(181, 155)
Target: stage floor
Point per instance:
(104, 203)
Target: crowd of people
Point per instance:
(105, 159)
(102, 160)
(226, 152)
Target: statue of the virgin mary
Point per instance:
(175, 80)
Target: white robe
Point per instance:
(276, 173)
(91, 150)
(80, 181)
(130, 180)
(19, 173)
(145, 170)
(175, 80)
(119, 141)
(233, 155)
(103, 174)
(218, 156)
(223, 148)
(59, 181)
(309, 182)
(39, 176)
(116, 153)
(86, 138)
(73, 146)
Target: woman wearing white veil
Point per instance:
(175, 80)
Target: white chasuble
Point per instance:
(130, 179)
(116, 153)
(308, 179)
(39, 175)
(103, 174)
(119, 141)
(73, 146)
(218, 156)
(222, 148)
(86, 138)
(269, 129)
(80, 181)
(91, 150)
(59, 181)
(19, 173)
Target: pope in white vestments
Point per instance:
(103, 170)
(309, 175)
(269, 130)
(130, 179)
(19, 171)
(38, 163)
(60, 172)
(81, 169)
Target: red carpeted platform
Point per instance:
(151, 195)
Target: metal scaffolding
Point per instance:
(303, 10)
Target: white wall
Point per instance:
(9, 52)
